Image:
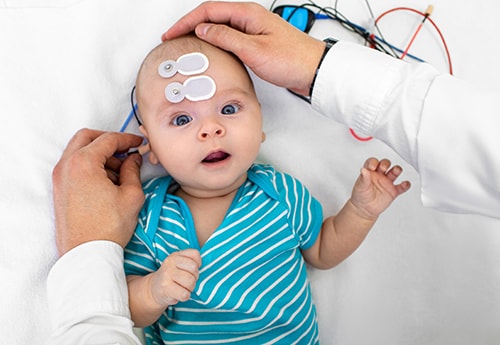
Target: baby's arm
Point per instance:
(342, 234)
(174, 281)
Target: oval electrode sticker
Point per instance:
(187, 64)
(197, 88)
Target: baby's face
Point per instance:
(207, 146)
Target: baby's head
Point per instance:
(203, 125)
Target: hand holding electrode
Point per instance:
(96, 195)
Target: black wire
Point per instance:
(134, 106)
(376, 27)
(335, 14)
(378, 43)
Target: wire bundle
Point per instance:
(372, 40)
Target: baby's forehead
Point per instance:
(192, 59)
(192, 69)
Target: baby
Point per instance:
(220, 250)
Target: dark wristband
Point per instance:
(329, 43)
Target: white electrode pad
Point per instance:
(187, 64)
(197, 88)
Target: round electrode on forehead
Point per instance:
(198, 88)
(187, 64)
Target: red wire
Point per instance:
(412, 39)
(450, 66)
(356, 136)
(427, 17)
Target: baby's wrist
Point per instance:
(153, 300)
(362, 213)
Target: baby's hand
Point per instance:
(176, 278)
(375, 189)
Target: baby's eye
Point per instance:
(230, 109)
(181, 120)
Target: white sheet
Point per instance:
(421, 277)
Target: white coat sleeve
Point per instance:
(445, 128)
(88, 299)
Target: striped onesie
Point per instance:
(252, 286)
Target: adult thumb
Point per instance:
(130, 179)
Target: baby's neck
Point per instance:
(208, 212)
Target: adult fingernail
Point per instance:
(202, 29)
(136, 157)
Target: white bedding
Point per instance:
(421, 277)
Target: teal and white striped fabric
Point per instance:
(253, 287)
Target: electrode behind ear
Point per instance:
(187, 64)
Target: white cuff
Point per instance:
(88, 280)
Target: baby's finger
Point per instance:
(403, 187)
(192, 254)
(177, 293)
(371, 163)
(394, 172)
(171, 301)
(188, 261)
(365, 179)
(186, 283)
(383, 166)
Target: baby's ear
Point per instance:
(143, 131)
(147, 147)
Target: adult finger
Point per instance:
(130, 171)
(227, 38)
(81, 139)
(232, 13)
(107, 144)
(130, 181)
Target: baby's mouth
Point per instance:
(215, 157)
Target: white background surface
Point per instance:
(421, 277)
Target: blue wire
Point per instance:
(399, 50)
(128, 119)
(321, 16)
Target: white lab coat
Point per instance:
(447, 129)
(443, 127)
(88, 297)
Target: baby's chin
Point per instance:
(213, 187)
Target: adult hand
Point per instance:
(272, 48)
(96, 195)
